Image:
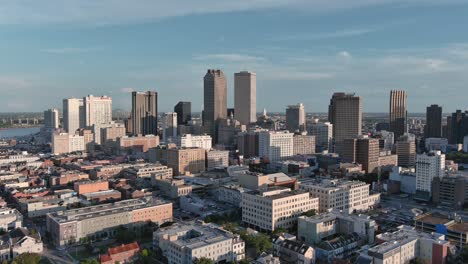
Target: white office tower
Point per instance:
(275, 145)
(388, 139)
(323, 133)
(245, 97)
(98, 110)
(428, 166)
(73, 114)
(169, 124)
(195, 141)
(51, 118)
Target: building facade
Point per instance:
(215, 100)
(98, 110)
(295, 118)
(144, 116)
(245, 97)
(275, 145)
(398, 115)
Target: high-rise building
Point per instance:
(275, 145)
(144, 116)
(73, 114)
(433, 127)
(98, 110)
(303, 144)
(363, 150)
(398, 115)
(245, 97)
(428, 166)
(406, 150)
(345, 113)
(66, 143)
(323, 133)
(215, 100)
(51, 118)
(194, 141)
(247, 143)
(184, 112)
(169, 126)
(458, 127)
(295, 118)
(216, 159)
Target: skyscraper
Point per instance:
(98, 110)
(73, 115)
(458, 127)
(429, 166)
(169, 125)
(215, 100)
(345, 113)
(433, 127)
(245, 97)
(184, 112)
(398, 115)
(144, 116)
(295, 118)
(51, 118)
(406, 150)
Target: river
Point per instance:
(18, 132)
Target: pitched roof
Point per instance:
(123, 248)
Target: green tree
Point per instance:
(203, 260)
(89, 261)
(27, 258)
(125, 236)
(309, 213)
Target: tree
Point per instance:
(27, 258)
(309, 213)
(125, 236)
(203, 260)
(89, 261)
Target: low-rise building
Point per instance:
(173, 188)
(68, 177)
(70, 226)
(275, 207)
(291, 251)
(452, 227)
(125, 253)
(231, 194)
(183, 244)
(82, 187)
(402, 180)
(217, 158)
(102, 196)
(10, 218)
(19, 241)
(451, 190)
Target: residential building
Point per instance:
(186, 160)
(429, 166)
(433, 127)
(295, 118)
(398, 114)
(144, 115)
(303, 144)
(66, 143)
(215, 100)
(19, 241)
(216, 159)
(70, 226)
(184, 112)
(339, 247)
(98, 110)
(245, 97)
(137, 143)
(51, 119)
(73, 115)
(340, 194)
(275, 207)
(291, 251)
(82, 187)
(345, 113)
(323, 133)
(275, 145)
(194, 141)
(184, 244)
(109, 133)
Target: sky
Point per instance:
(301, 50)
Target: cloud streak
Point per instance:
(68, 50)
(228, 57)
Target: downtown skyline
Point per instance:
(325, 48)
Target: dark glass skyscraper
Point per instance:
(433, 127)
(184, 112)
(144, 114)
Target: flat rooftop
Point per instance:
(434, 219)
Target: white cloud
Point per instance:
(127, 90)
(67, 50)
(228, 57)
(11, 82)
(344, 54)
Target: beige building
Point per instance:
(406, 150)
(73, 115)
(275, 207)
(110, 132)
(245, 97)
(217, 158)
(344, 195)
(158, 171)
(215, 100)
(195, 141)
(66, 143)
(295, 118)
(275, 145)
(173, 188)
(186, 160)
(303, 144)
(97, 109)
(137, 143)
(183, 244)
(68, 227)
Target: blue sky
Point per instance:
(301, 50)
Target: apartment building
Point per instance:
(82, 187)
(70, 226)
(186, 160)
(275, 145)
(303, 144)
(194, 141)
(183, 244)
(173, 188)
(275, 207)
(147, 171)
(341, 194)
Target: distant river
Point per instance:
(18, 132)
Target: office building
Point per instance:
(144, 116)
(275, 145)
(440, 144)
(169, 124)
(73, 115)
(98, 110)
(386, 140)
(275, 207)
(227, 131)
(450, 191)
(70, 226)
(429, 166)
(137, 144)
(66, 143)
(398, 115)
(110, 133)
(245, 97)
(344, 195)
(345, 113)
(215, 100)
(458, 127)
(51, 119)
(185, 161)
(195, 141)
(187, 243)
(217, 159)
(406, 150)
(247, 143)
(184, 112)
(433, 127)
(303, 144)
(362, 150)
(295, 118)
(323, 133)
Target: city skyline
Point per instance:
(358, 47)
